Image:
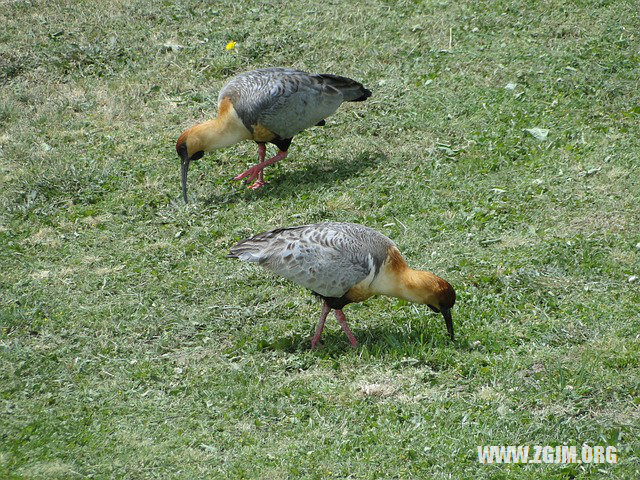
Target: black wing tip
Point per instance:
(347, 84)
(364, 96)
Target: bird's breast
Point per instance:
(262, 133)
(359, 292)
(362, 290)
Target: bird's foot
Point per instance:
(257, 184)
(255, 172)
(257, 175)
(252, 173)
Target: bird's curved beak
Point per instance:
(184, 167)
(447, 319)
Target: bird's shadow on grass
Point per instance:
(287, 183)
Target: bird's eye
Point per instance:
(197, 155)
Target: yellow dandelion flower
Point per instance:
(230, 46)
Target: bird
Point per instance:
(344, 263)
(268, 105)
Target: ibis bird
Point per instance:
(270, 105)
(344, 263)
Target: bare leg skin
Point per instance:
(323, 316)
(343, 323)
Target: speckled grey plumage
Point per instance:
(327, 258)
(287, 101)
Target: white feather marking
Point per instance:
(386, 282)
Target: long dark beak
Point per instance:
(184, 167)
(447, 319)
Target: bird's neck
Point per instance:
(396, 279)
(223, 131)
(418, 286)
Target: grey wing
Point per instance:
(283, 100)
(324, 258)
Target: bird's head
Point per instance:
(442, 299)
(189, 147)
(421, 286)
(435, 292)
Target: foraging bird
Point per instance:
(344, 263)
(268, 105)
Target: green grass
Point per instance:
(131, 348)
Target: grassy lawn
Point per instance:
(131, 348)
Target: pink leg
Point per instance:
(262, 151)
(323, 316)
(343, 323)
(255, 172)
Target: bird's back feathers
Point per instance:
(286, 101)
(327, 258)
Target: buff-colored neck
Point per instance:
(413, 285)
(223, 131)
(216, 133)
(396, 279)
(420, 286)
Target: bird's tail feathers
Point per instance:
(244, 255)
(351, 90)
(247, 251)
(254, 249)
